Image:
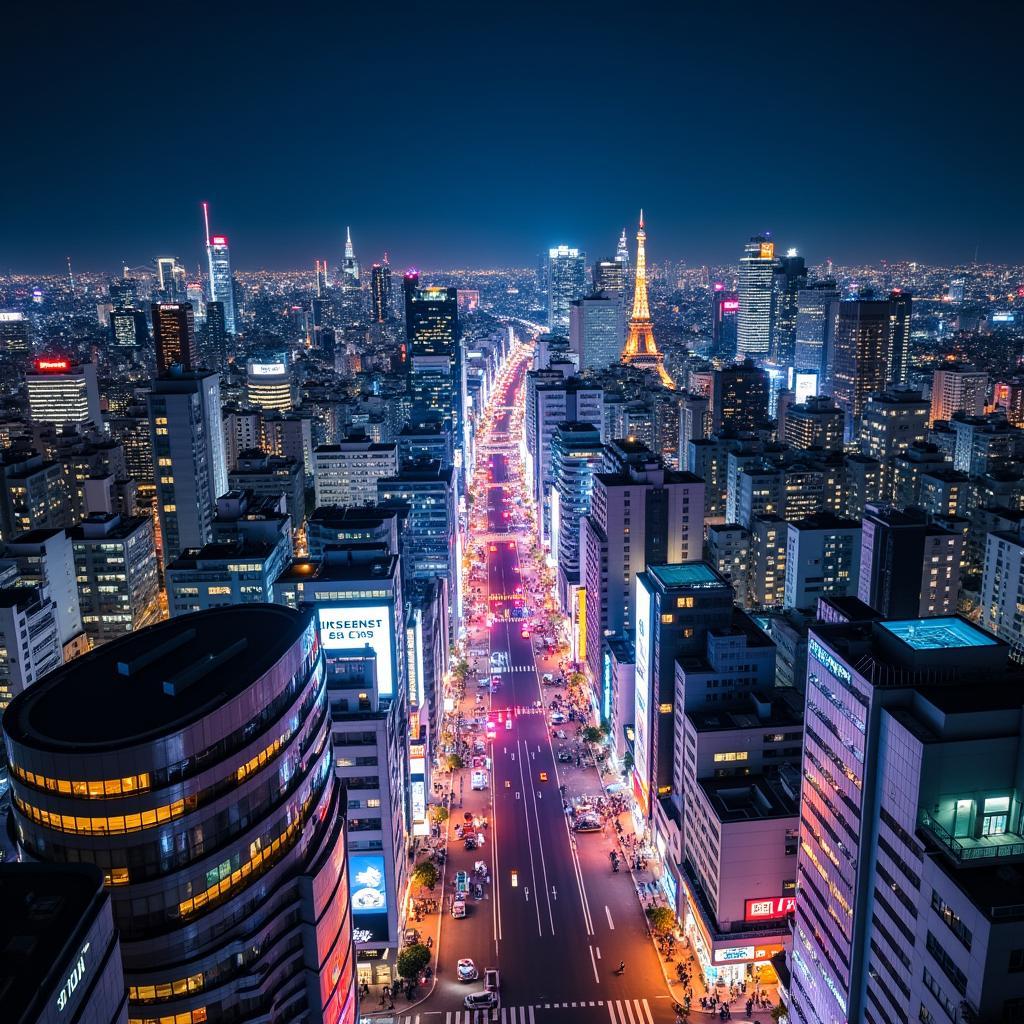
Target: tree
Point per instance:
(461, 670)
(661, 920)
(592, 734)
(627, 762)
(438, 813)
(412, 961)
(453, 762)
(425, 875)
(779, 1013)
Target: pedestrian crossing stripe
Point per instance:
(504, 669)
(620, 1011)
(529, 711)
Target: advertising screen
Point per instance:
(267, 369)
(353, 626)
(641, 764)
(769, 909)
(368, 885)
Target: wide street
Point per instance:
(554, 919)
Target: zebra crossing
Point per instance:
(528, 711)
(513, 668)
(620, 1011)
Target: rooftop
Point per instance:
(938, 634)
(687, 574)
(748, 798)
(115, 695)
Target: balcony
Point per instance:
(967, 850)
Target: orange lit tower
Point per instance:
(641, 350)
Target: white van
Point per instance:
(479, 780)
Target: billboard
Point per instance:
(368, 886)
(767, 250)
(769, 909)
(351, 627)
(53, 365)
(641, 751)
(267, 369)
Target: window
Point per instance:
(666, 619)
(732, 755)
(1016, 961)
(684, 602)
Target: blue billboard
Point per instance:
(368, 886)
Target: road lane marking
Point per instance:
(597, 949)
(629, 1010)
(611, 923)
(593, 963)
(529, 845)
(530, 1009)
(611, 1013)
(647, 1012)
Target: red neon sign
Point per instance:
(53, 365)
(770, 909)
(219, 240)
(730, 305)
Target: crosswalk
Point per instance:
(528, 711)
(619, 1011)
(514, 668)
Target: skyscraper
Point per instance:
(222, 286)
(610, 276)
(754, 323)
(234, 700)
(739, 397)
(60, 392)
(597, 329)
(174, 332)
(435, 355)
(380, 291)
(899, 329)
(349, 276)
(640, 349)
(958, 388)
(813, 324)
(724, 309)
(567, 281)
(858, 360)
(788, 277)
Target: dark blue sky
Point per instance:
(476, 135)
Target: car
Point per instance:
(495, 680)
(558, 718)
(564, 756)
(494, 547)
(543, 776)
(479, 747)
(479, 780)
(467, 970)
(492, 979)
(481, 1001)
(461, 881)
(524, 633)
(482, 682)
(459, 909)
(491, 730)
(508, 723)
(587, 823)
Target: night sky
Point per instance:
(477, 135)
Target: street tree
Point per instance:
(661, 920)
(412, 961)
(425, 875)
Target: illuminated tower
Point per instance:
(349, 263)
(222, 284)
(641, 350)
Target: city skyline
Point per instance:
(754, 132)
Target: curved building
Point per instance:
(191, 762)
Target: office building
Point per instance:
(224, 573)
(984, 444)
(268, 384)
(291, 436)
(597, 329)
(576, 453)
(380, 292)
(217, 331)
(436, 368)
(271, 476)
(566, 282)
(754, 317)
(128, 329)
(332, 526)
(243, 432)
(909, 568)
(33, 493)
(814, 325)
(60, 392)
(432, 438)
(766, 581)
(174, 334)
(816, 423)
(189, 455)
(729, 555)
(14, 332)
(725, 306)
(910, 801)
(892, 421)
(958, 388)
(858, 358)
(347, 473)
(900, 303)
(46, 558)
(222, 283)
(144, 727)
(30, 643)
(739, 399)
(640, 513)
(62, 958)
(945, 493)
(116, 571)
(789, 277)
(823, 555)
(611, 275)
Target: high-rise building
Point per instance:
(754, 319)
(814, 325)
(271, 476)
(597, 330)
(30, 638)
(958, 388)
(174, 334)
(900, 303)
(62, 392)
(739, 398)
(268, 383)
(380, 291)
(909, 568)
(171, 279)
(611, 276)
(892, 421)
(910, 798)
(222, 282)
(128, 329)
(232, 699)
(14, 332)
(33, 493)
(788, 278)
(349, 265)
(725, 307)
(822, 560)
(435, 364)
(566, 282)
(217, 331)
(189, 456)
(858, 360)
(816, 423)
(640, 349)
(346, 474)
(224, 573)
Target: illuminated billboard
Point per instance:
(351, 627)
(53, 365)
(267, 369)
(770, 909)
(730, 305)
(368, 886)
(767, 250)
(642, 674)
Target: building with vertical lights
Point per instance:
(222, 284)
(174, 334)
(566, 282)
(958, 388)
(61, 392)
(724, 311)
(789, 276)
(858, 357)
(754, 319)
(191, 762)
(380, 292)
(268, 383)
(814, 324)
